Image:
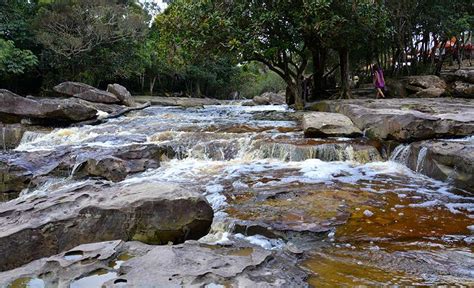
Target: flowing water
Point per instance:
(358, 219)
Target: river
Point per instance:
(356, 217)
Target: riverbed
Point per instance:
(351, 212)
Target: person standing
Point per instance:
(379, 81)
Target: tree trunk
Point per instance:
(319, 65)
(152, 85)
(294, 91)
(345, 80)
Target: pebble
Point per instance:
(368, 213)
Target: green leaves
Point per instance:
(14, 60)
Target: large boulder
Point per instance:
(270, 98)
(122, 94)
(324, 124)
(97, 96)
(406, 120)
(86, 92)
(70, 88)
(13, 108)
(451, 161)
(425, 81)
(153, 213)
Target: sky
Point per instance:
(160, 3)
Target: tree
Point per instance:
(89, 40)
(262, 31)
(13, 60)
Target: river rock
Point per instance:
(10, 135)
(97, 96)
(13, 108)
(406, 120)
(451, 161)
(425, 81)
(270, 98)
(190, 264)
(155, 213)
(323, 124)
(122, 94)
(463, 89)
(70, 88)
(20, 170)
(110, 168)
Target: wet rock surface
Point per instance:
(19, 170)
(407, 120)
(155, 213)
(451, 161)
(283, 206)
(191, 264)
(324, 124)
(98, 96)
(10, 135)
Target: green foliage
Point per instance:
(14, 60)
(254, 79)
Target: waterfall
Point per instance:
(3, 138)
(421, 159)
(401, 154)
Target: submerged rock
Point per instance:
(323, 124)
(154, 213)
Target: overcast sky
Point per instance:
(160, 3)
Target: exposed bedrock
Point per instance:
(406, 120)
(154, 213)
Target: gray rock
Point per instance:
(406, 120)
(270, 98)
(13, 108)
(463, 89)
(10, 135)
(70, 88)
(134, 264)
(122, 94)
(154, 213)
(451, 161)
(324, 124)
(97, 96)
(110, 168)
(20, 170)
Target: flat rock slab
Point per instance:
(43, 225)
(406, 120)
(134, 264)
(324, 124)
